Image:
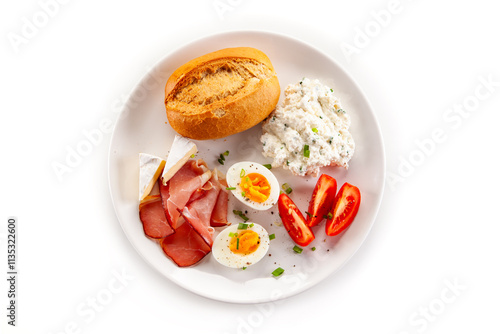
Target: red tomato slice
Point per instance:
(321, 200)
(345, 209)
(294, 221)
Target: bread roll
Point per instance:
(221, 93)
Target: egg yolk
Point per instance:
(245, 242)
(255, 187)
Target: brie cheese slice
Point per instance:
(180, 152)
(150, 168)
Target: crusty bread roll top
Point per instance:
(221, 93)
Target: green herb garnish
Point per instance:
(313, 249)
(242, 226)
(314, 130)
(268, 166)
(286, 188)
(278, 271)
(297, 249)
(231, 188)
(242, 173)
(306, 151)
(242, 216)
(272, 236)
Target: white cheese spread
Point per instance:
(309, 130)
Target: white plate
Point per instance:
(142, 128)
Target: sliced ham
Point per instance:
(198, 213)
(185, 247)
(190, 177)
(200, 192)
(219, 214)
(153, 218)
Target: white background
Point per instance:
(438, 224)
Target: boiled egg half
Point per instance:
(240, 245)
(253, 184)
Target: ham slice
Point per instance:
(190, 177)
(219, 214)
(198, 213)
(185, 247)
(153, 218)
(200, 192)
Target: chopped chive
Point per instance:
(314, 130)
(192, 156)
(226, 153)
(313, 249)
(222, 157)
(237, 243)
(231, 188)
(272, 236)
(287, 188)
(288, 191)
(331, 90)
(220, 161)
(232, 234)
(278, 271)
(242, 173)
(288, 163)
(242, 226)
(241, 215)
(243, 193)
(297, 249)
(307, 153)
(251, 225)
(309, 214)
(268, 166)
(244, 268)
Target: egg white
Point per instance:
(233, 180)
(222, 253)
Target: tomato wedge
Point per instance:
(294, 221)
(345, 209)
(321, 200)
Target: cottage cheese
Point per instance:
(310, 122)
